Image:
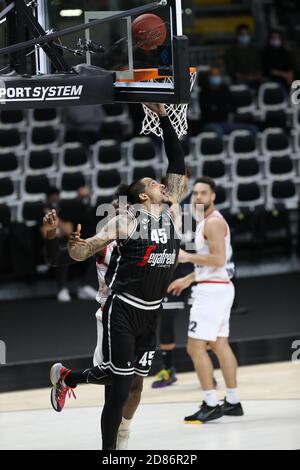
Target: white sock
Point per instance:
(210, 397)
(232, 396)
(125, 424)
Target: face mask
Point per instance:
(215, 80)
(244, 39)
(276, 42)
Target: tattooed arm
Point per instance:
(117, 228)
(175, 154)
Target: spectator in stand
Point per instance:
(244, 60)
(217, 106)
(277, 60)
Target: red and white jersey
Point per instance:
(209, 273)
(102, 263)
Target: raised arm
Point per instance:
(175, 154)
(56, 255)
(118, 228)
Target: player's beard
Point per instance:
(208, 206)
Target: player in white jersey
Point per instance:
(213, 297)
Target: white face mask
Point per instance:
(276, 42)
(244, 39)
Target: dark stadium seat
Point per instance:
(39, 161)
(209, 145)
(7, 190)
(31, 212)
(275, 142)
(142, 152)
(271, 96)
(215, 169)
(35, 187)
(70, 183)
(246, 170)
(9, 164)
(74, 157)
(107, 154)
(10, 138)
(247, 195)
(282, 192)
(242, 144)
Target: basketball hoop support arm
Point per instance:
(44, 38)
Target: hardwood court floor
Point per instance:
(270, 395)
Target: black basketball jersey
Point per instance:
(143, 264)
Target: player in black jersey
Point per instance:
(148, 244)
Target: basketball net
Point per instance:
(177, 113)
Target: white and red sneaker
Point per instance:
(59, 390)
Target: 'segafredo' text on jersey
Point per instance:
(144, 265)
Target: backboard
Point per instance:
(118, 52)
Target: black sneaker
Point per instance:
(232, 410)
(206, 413)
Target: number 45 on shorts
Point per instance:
(147, 358)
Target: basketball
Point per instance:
(149, 31)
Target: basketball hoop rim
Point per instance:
(145, 75)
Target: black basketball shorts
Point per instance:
(129, 338)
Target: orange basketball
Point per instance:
(149, 31)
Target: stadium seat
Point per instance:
(271, 97)
(39, 162)
(113, 130)
(44, 136)
(216, 170)
(31, 212)
(9, 164)
(5, 215)
(282, 192)
(247, 195)
(144, 172)
(10, 140)
(142, 152)
(115, 112)
(277, 119)
(34, 187)
(74, 157)
(275, 142)
(70, 183)
(242, 144)
(223, 201)
(46, 116)
(12, 119)
(7, 190)
(105, 182)
(280, 168)
(246, 170)
(242, 98)
(107, 154)
(209, 146)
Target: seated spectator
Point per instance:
(244, 60)
(277, 60)
(216, 103)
